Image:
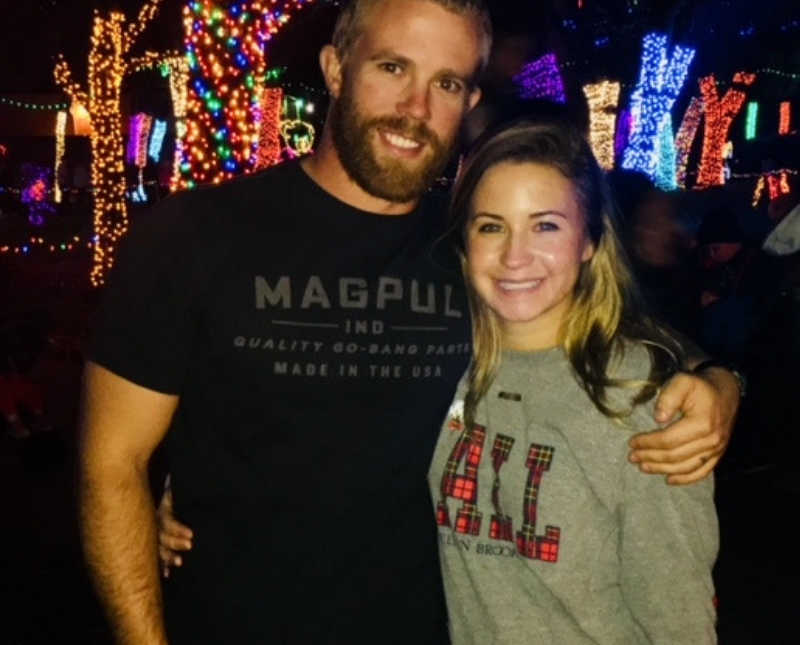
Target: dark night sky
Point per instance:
(34, 31)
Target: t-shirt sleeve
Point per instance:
(669, 540)
(144, 329)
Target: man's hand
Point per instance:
(691, 446)
(173, 536)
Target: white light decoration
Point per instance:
(660, 81)
(603, 98)
(157, 140)
(61, 132)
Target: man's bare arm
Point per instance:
(121, 425)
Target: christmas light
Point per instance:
(660, 81)
(157, 140)
(624, 125)
(776, 181)
(33, 106)
(719, 114)
(61, 131)
(138, 135)
(541, 79)
(752, 120)
(602, 98)
(226, 54)
(178, 70)
(685, 137)
(72, 244)
(785, 117)
(36, 182)
(665, 177)
(269, 136)
(109, 62)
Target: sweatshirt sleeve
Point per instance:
(669, 540)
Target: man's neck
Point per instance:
(325, 168)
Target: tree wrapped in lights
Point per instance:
(666, 178)
(660, 81)
(110, 61)
(784, 124)
(269, 136)
(541, 79)
(719, 114)
(61, 133)
(226, 52)
(685, 137)
(603, 99)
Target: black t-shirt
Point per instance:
(315, 349)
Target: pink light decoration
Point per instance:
(138, 135)
(719, 114)
(541, 79)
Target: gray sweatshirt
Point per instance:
(548, 535)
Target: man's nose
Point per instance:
(416, 102)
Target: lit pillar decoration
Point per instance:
(785, 117)
(269, 136)
(685, 137)
(178, 70)
(623, 133)
(61, 132)
(603, 98)
(660, 81)
(226, 52)
(719, 114)
(752, 121)
(81, 121)
(139, 133)
(541, 79)
(109, 62)
(157, 140)
(665, 177)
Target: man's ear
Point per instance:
(331, 68)
(474, 97)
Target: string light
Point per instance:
(178, 70)
(541, 79)
(269, 141)
(665, 172)
(660, 81)
(157, 140)
(72, 244)
(752, 120)
(36, 182)
(603, 99)
(226, 53)
(776, 181)
(719, 114)
(61, 131)
(109, 63)
(27, 105)
(785, 117)
(685, 137)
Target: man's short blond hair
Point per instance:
(351, 18)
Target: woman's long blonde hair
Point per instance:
(606, 308)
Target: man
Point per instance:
(301, 341)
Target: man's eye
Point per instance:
(391, 68)
(451, 85)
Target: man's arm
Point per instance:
(690, 447)
(121, 425)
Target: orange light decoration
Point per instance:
(269, 138)
(786, 117)
(603, 99)
(777, 183)
(719, 114)
(109, 63)
(226, 53)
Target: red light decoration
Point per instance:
(719, 114)
(685, 137)
(269, 137)
(786, 117)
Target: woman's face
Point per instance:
(526, 240)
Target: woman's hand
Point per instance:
(173, 537)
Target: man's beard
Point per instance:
(388, 179)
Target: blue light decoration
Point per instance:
(660, 81)
(157, 140)
(752, 121)
(35, 193)
(666, 177)
(541, 79)
(623, 133)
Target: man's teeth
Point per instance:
(518, 286)
(401, 142)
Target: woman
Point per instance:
(547, 535)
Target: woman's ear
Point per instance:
(331, 67)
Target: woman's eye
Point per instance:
(547, 226)
(489, 227)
